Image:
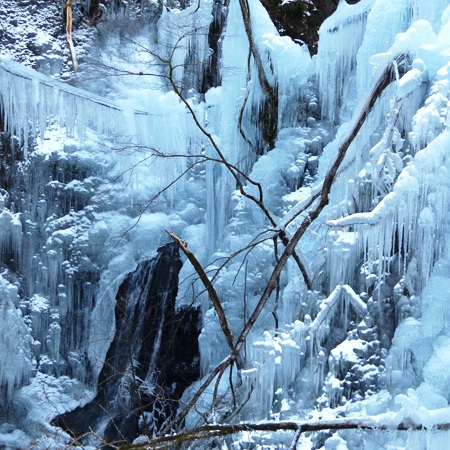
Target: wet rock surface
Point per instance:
(153, 357)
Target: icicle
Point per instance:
(266, 359)
(342, 257)
(29, 98)
(10, 235)
(340, 38)
(40, 319)
(405, 209)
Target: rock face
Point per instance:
(300, 20)
(153, 357)
(33, 31)
(211, 72)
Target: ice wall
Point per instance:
(394, 224)
(32, 104)
(78, 175)
(388, 207)
(340, 38)
(50, 231)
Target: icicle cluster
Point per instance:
(31, 101)
(340, 38)
(277, 359)
(411, 201)
(15, 343)
(10, 235)
(406, 220)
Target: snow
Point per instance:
(61, 395)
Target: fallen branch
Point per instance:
(383, 422)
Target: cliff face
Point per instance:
(300, 20)
(153, 356)
(34, 30)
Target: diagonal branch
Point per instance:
(209, 287)
(319, 204)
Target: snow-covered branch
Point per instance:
(382, 422)
(331, 301)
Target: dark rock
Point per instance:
(300, 20)
(211, 71)
(153, 357)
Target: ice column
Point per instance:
(15, 355)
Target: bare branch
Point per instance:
(235, 172)
(220, 368)
(312, 210)
(383, 422)
(297, 436)
(317, 207)
(266, 87)
(69, 34)
(209, 287)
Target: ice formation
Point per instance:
(89, 185)
(15, 342)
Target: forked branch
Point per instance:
(237, 175)
(317, 206)
(310, 212)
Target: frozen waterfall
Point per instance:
(92, 298)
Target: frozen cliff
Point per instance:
(305, 278)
